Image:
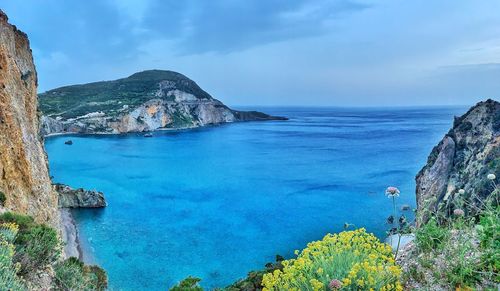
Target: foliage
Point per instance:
(110, 96)
(23, 221)
(8, 269)
(253, 281)
(462, 251)
(37, 247)
(354, 259)
(188, 284)
(72, 274)
(3, 198)
(431, 236)
(489, 237)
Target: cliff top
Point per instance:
(111, 96)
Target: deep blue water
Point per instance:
(220, 201)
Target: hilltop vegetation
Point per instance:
(110, 96)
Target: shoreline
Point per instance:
(124, 133)
(69, 233)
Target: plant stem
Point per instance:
(396, 220)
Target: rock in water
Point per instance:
(144, 101)
(79, 198)
(24, 175)
(68, 142)
(462, 160)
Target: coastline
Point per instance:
(120, 133)
(69, 234)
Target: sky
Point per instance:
(275, 52)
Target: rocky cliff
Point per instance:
(24, 176)
(79, 198)
(144, 101)
(462, 160)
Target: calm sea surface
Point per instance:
(220, 201)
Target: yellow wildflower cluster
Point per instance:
(8, 231)
(355, 258)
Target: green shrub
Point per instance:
(431, 236)
(488, 231)
(462, 262)
(3, 198)
(99, 276)
(37, 247)
(69, 275)
(253, 281)
(188, 284)
(23, 221)
(8, 270)
(72, 274)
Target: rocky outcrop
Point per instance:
(462, 160)
(24, 176)
(79, 198)
(145, 101)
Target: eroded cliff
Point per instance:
(144, 101)
(462, 160)
(24, 176)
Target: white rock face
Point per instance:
(184, 111)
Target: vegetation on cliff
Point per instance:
(109, 97)
(462, 160)
(461, 251)
(144, 101)
(29, 250)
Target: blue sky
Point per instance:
(287, 52)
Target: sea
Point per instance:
(219, 201)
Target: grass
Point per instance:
(460, 251)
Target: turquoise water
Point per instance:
(220, 201)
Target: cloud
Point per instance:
(315, 52)
(224, 26)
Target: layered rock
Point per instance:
(145, 101)
(24, 176)
(79, 198)
(462, 160)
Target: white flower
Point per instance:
(461, 191)
(392, 192)
(492, 176)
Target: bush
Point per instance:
(431, 236)
(253, 281)
(72, 274)
(23, 221)
(188, 284)
(37, 247)
(3, 198)
(351, 260)
(8, 270)
(99, 275)
(488, 230)
(69, 275)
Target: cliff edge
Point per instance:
(24, 176)
(462, 160)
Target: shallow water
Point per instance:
(220, 201)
